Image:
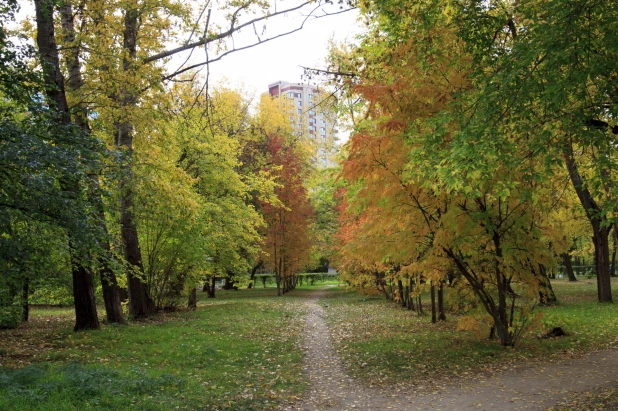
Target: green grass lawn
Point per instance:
(236, 352)
(239, 351)
(382, 343)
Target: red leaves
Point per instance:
(287, 238)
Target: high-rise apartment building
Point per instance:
(310, 115)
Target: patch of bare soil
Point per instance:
(533, 387)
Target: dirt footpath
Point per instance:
(533, 388)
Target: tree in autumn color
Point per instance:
(287, 245)
(407, 217)
(119, 48)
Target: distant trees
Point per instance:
(287, 244)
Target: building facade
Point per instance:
(310, 115)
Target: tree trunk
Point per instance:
(83, 296)
(410, 298)
(140, 302)
(25, 313)
(600, 228)
(192, 303)
(402, 299)
(441, 313)
(113, 309)
(211, 289)
(256, 267)
(601, 251)
(566, 260)
(433, 304)
(546, 292)
(419, 305)
(615, 244)
(83, 290)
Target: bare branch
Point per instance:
(233, 28)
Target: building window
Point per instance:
(290, 94)
(300, 103)
(299, 95)
(300, 111)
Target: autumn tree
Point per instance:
(122, 45)
(416, 215)
(542, 71)
(287, 244)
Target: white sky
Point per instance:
(279, 59)
(282, 58)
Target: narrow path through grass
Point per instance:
(521, 386)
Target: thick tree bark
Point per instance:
(83, 290)
(600, 228)
(83, 296)
(566, 260)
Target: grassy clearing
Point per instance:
(383, 344)
(236, 352)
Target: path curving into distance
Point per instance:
(536, 387)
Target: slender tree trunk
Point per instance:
(140, 302)
(566, 260)
(419, 305)
(211, 289)
(441, 314)
(256, 267)
(25, 292)
(402, 298)
(410, 298)
(433, 304)
(615, 246)
(600, 230)
(83, 290)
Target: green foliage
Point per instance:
(10, 316)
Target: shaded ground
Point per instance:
(536, 387)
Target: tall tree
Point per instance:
(83, 288)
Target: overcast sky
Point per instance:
(282, 58)
(279, 59)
